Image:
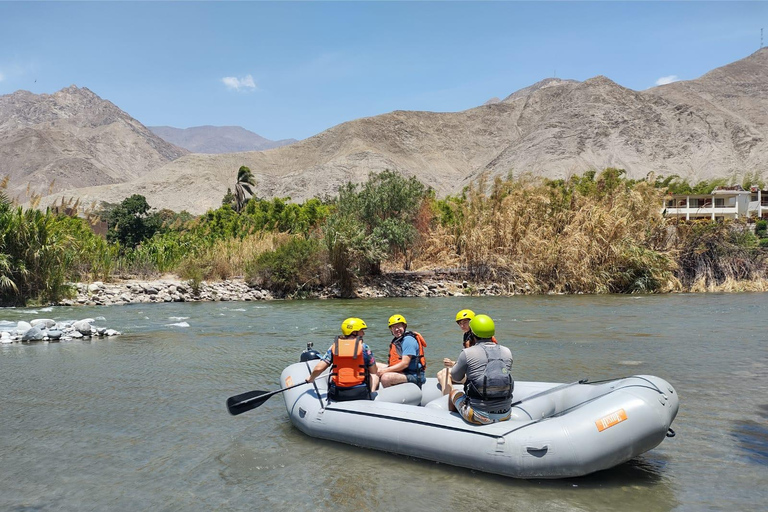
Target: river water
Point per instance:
(138, 422)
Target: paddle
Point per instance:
(239, 404)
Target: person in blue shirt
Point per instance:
(406, 356)
(353, 366)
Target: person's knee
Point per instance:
(392, 379)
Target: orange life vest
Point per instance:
(396, 350)
(348, 363)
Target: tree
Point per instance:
(229, 198)
(372, 223)
(245, 181)
(131, 222)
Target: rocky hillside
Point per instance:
(217, 139)
(712, 126)
(64, 140)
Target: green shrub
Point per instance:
(761, 226)
(291, 269)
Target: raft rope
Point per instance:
(652, 387)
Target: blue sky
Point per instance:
(294, 69)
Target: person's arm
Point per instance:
(410, 350)
(320, 368)
(402, 365)
(459, 370)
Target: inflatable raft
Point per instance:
(556, 430)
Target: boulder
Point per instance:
(43, 323)
(83, 327)
(22, 327)
(33, 334)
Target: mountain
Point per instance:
(713, 126)
(217, 139)
(61, 141)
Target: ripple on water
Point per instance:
(752, 437)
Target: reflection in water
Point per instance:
(753, 437)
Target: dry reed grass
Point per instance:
(228, 258)
(556, 239)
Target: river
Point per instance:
(138, 422)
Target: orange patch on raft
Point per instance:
(610, 420)
(288, 382)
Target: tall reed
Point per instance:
(561, 236)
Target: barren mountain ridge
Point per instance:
(716, 125)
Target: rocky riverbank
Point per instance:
(395, 284)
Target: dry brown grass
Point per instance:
(559, 240)
(228, 258)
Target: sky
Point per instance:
(293, 69)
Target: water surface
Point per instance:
(137, 422)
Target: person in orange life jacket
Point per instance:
(486, 368)
(353, 366)
(406, 356)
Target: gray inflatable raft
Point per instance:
(556, 430)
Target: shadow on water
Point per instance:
(752, 437)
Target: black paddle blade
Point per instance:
(243, 403)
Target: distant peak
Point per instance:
(541, 84)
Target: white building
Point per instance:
(730, 203)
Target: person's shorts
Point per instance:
(461, 402)
(336, 394)
(416, 378)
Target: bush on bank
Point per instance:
(594, 233)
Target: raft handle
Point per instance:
(536, 451)
(670, 432)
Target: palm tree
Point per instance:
(245, 181)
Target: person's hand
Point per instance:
(448, 363)
(308, 380)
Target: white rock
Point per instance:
(47, 323)
(83, 326)
(22, 327)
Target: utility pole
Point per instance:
(761, 39)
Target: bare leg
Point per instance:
(392, 379)
(444, 378)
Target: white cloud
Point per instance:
(667, 80)
(245, 83)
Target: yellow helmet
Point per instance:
(397, 319)
(351, 325)
(465, 313)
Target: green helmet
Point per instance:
(482, 326)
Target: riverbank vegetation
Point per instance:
(594, 233)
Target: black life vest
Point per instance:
(496, 381)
